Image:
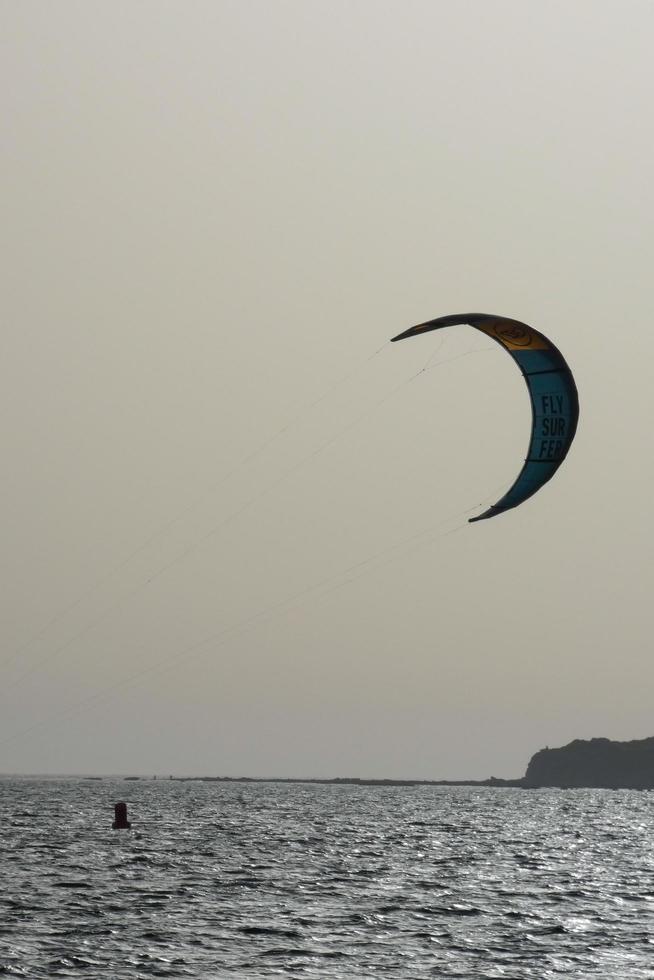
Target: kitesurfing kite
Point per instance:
(553, 393)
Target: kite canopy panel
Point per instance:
(553, 393)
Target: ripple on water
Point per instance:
(319, 882)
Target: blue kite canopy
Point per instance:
(553, 393)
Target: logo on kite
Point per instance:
(553, 394)
(515, 335)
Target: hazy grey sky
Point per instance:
(214, 214)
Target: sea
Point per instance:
(264, 880)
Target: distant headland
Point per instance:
(596, 763)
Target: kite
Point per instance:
(553, 394)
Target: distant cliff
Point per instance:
(598, 763)
(595, 764)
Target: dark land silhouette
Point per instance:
(596, 763)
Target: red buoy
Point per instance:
(120, 813)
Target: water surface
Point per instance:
(311, 881)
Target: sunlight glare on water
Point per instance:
(261, 880)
